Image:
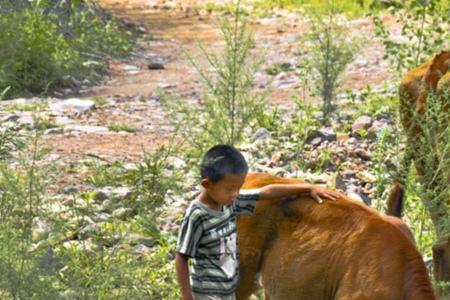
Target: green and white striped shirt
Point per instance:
(209, 237)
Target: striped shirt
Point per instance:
(209, 238)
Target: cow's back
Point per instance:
(337, 250)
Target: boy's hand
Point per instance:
(317, 193)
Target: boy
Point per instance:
(208, 232)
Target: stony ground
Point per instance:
(121, 116)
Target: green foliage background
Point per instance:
(54, 43)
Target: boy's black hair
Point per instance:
(221, 160)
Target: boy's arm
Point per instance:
(182, 269)
(276, 191)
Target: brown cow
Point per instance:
(337, 250)
(432, 76)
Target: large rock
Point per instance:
(261, 134)
(325, 134)
(363, 122)
(72, 106)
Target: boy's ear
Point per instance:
(206, 183)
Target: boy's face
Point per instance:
(226, 190)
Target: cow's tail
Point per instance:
(397, 194)
(395, 201)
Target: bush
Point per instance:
(425, 27)
(229, 104)
(47, 44)
(23, 276)
(331, 49)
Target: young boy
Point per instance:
(208, 233)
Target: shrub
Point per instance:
(229, 105)
(47, 44)
(331, 49)
(425, 26)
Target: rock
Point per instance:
(69, 294)
(73, 105)
(316, 141)
(326, 134)
(122, 213)
(155, 66)
(289, 39)
(57, 130)
(142, 250)
(363, 154)
(351, 141)
(339, 182)
(102, 217)
(285, 83)
(63, 120)
(70, 190)
(41, 228)
(121, 193)
(318, 115)
(131, 70)
(176, 163)
(363, 122)
(86, 128)
(10, 118)
(89, 230)
(267, 21)
(134, 239)
(342, 137)
(377, 126)
(366, 177)
(107, 205)
(101, 196)
(112, 194)
(26, 120)
(76, 245)
(261, 134)
(164, 86)
(347, 173)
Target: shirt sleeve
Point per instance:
(189, 234)
(246, 202)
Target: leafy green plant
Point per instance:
(100, 101)
(48, 44)
(229, 105)
(331, 50)
(384, 163)
(22, 189)
(380, 103)
(302, 124)
(425, 25)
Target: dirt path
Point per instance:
(132, 88)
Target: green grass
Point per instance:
(26, 107)
(100, 101)
(351, 8)
(278, 68)
(122, 127)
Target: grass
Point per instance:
(117, 127)
(278, 68)
(100, 101)
(33, 107)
